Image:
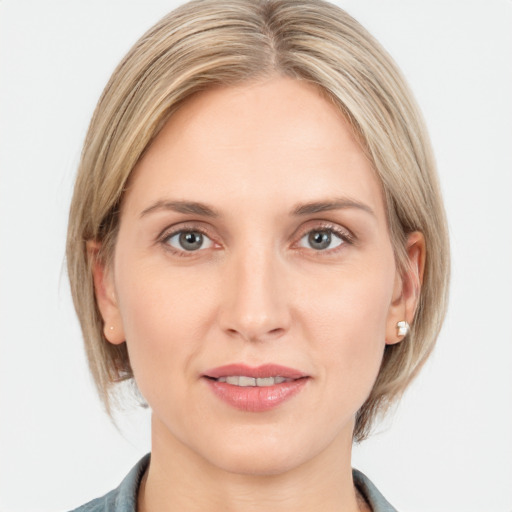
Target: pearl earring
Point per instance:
(403, 328)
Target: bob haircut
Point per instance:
(207, 43)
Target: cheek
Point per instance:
(347, 318)
(351, 302)
(165, 317)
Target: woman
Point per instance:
(257, 238)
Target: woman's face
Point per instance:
(253, 243)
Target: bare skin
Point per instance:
(288, 261)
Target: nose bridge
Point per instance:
(255, 307)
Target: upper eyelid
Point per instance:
(327, 226)
(181, 227)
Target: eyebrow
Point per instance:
(196, 208)
(335, 204)
(182, 207)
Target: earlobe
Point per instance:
(106, 299)
(407, 290)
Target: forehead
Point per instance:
(279, 112)
(270, 140)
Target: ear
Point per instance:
(106, 298)
(406, 292)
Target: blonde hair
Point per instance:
(205, 43)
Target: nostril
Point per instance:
(255, 335)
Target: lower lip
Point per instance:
(254, 398)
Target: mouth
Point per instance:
(245, 381)
(255, 389)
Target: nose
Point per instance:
(255, 305)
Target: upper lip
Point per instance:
(262, 371)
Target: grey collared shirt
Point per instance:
(124, 497)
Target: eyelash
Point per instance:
(344, 235)
(167, 235)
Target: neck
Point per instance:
(180, 479)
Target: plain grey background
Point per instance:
(448, 446)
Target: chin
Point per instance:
(264, 452)
(258, 462)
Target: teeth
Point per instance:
(244, 381)
(265, 381)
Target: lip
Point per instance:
(254, 398)
(265, 370)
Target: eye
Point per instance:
(189, 241)
(321, 239)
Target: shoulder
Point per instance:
(124, 497)
(103, 504)
(371, 494)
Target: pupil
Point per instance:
(320, 239)
(191, 241)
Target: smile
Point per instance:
(255, 389)
(244, 381)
